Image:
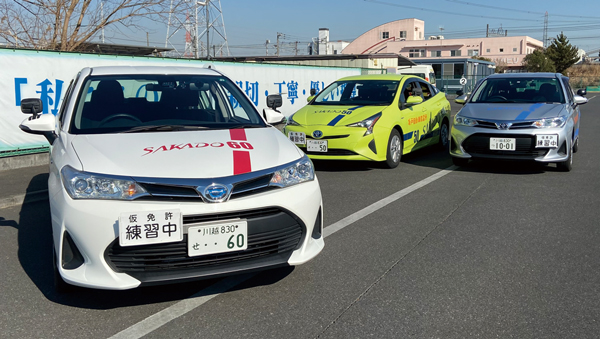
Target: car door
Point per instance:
(413, 117)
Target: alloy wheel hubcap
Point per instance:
(395, 148)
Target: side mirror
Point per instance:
(460, 92)
(581, 92)
(273, 117)
(580, 100)
(462, 99)
(414, 100)
(32, 106)
(313, 91)
(40, 124)
(274, 101)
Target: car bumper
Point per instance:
(473, 143)
(291, 217)
(345, 143)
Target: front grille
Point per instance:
(492, 125)
(331, 151)
(271, 233)
(329, 137)
(479, 145)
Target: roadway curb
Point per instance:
(26, 198)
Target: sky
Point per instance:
(248, 24)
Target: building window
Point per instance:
(459, 70)
(403, 34)
(487, 50)
(473, 52)
(501, 50)
(455, 52)
(514, 49)
(335, 51)
(420, 35)
(436, 54)
(416, 53)
(385, 35)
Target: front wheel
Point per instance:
(567, 165)
(394, 150)
(444, 139)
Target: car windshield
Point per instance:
(147, 103)
(519, 90)
(358, 92)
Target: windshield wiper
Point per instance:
(245, 126)
(161, 128)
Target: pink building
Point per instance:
(406, 37)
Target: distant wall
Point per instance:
(46, 75)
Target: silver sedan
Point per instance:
(518, 116)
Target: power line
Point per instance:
(521, 11)
(430, 10)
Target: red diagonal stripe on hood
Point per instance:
(241, 159)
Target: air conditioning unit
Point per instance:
(440, 37)
(433, 37)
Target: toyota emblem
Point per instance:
(317, 134)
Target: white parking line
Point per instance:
(182, 307)
(592, 97)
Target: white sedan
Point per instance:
(162, 175)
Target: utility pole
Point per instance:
(278, 36)
(207, 30)
(296, 47)
(267, 47)
(102, 20)
(546, 30)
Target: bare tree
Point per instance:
(65, 24)
(501, 65)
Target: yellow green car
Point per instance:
(372, 117)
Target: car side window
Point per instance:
(565, 82)
(407, 90)
(427, 94)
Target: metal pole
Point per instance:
(207, 32)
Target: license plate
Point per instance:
(546, 140)
(316, 145)
(150, 227)
(503, 144)
(298, 138)
(219, 237)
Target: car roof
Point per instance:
(379, 77)
(118, 70)
(525, 75)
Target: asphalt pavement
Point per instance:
(492, 250)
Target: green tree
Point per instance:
(538, 61)
(562, 53)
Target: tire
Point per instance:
(394, 149)
(567, 166)
(444, 143)
(460, 162)
(576, 146)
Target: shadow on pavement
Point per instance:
(507, 167)
(36, 258)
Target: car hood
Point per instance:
(334, 115)
(511, 111)
(186, 154)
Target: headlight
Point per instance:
(297, 173)
(83, 185)
(550, 122)
(368, 123)
(291, 121)
(462, 121)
